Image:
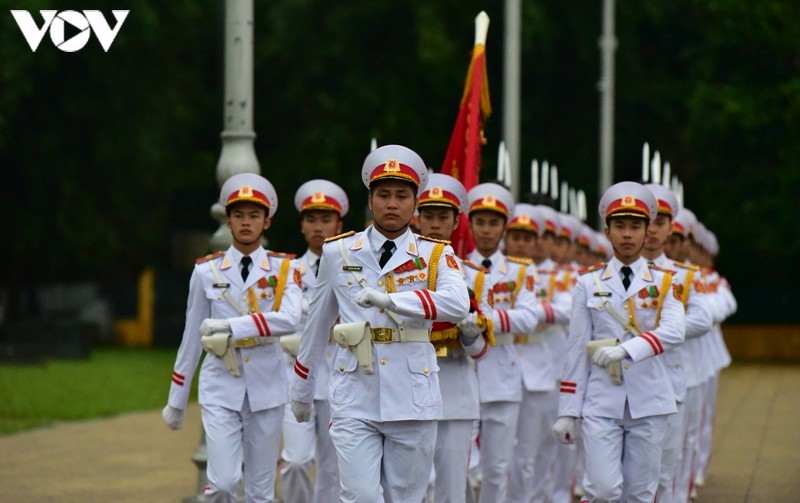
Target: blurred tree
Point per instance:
(103, 156)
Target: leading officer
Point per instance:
(387, 285)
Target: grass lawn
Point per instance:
(111, 381)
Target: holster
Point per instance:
(356, 338)
(291, 344)
(615, 369)
(221, 346)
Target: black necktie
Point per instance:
(316, 267)
(627, 272)
(246, 261)
(388, 250)
(487, 263)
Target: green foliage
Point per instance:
(111, 381)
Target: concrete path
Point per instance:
(135, 458)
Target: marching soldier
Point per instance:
(678, 361)
(240, 302)
(623, 313)
(540, 355)
(322, 205)
(387, 286)
(503, 287)
(440, 207)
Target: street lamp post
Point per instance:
(608, 47)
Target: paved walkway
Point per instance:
(135, 458)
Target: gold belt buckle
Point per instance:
(521, 339)
(381, 335)
(247, 342)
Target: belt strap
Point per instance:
(249, 342)
(386, 334)
(525, 339)
(626, 325)
(225, 292)
(503, 339)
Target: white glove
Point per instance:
(301, 411)
(565, 430)
(173, 417)
(369, 297)
(210, 326)
(469, 327)
(604, 357)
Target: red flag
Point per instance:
(463, 158)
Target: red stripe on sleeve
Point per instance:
(505, 322)
(424, 303)
(257, 321)
(300, 370)
(549, 314)
(653, 341)
(266, 325)
(427, 295)
(483, 351)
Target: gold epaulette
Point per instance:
(474, 266)
(426, 238)
(340, 236)
(662, 269)
(281, 255)
(685, 265)
(209, 257)
(592, 268)
(519, 260)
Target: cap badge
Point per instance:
(436, 192)
(246, 191)
(318, 197)
(391, 166)
(628, 201)
(524, 219)
(489, 201)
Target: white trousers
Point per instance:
(671, 456)
(394, 455)
(707, 426)
(236, 436)
(497, 437)
(564, 472)
(302, 444)
(451, 460)
(623, 457)
(530, 477)
(692, 417)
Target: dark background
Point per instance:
(107, 160)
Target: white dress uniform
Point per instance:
(507, 298)
(307, 441)
(722, 297)
(456, 372)
(623, 424)
(383, 423)
(241, 415)
(567, 468)
(535, 449)
(678, 362)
